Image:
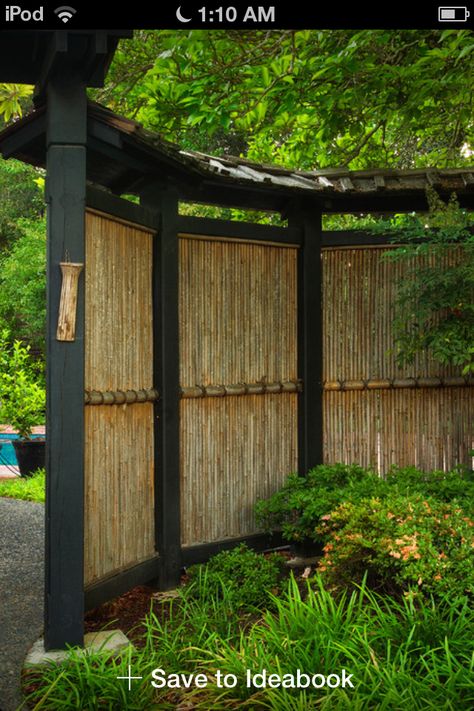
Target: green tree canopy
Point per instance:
(21, 197)
(303, 98)
(23, 284)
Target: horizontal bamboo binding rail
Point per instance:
(259, 388)
(120, 397)
(398, 383)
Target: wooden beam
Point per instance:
(350, 238)
(259, 541)
(310, 341)
(120, 583)
(166, 381)
(239, 230)
(129, 212)
(65, 195)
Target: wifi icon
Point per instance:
(65, 12)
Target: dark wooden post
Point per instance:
(65, 195)
(166, 380)
(310, 338)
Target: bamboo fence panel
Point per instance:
(429, 427)
(119, 320)
(238, 322)
(119, 518)
(234, 450)
(119, 446)
(237, 312)
(359, 291)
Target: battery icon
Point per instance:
(453, 14)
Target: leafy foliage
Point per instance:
(303, 98)
(455, 486)
(13, 98)
(435, 300)
(298, 506)
(405, 543)
(302, 502)
(21, 198)
(401, 654)
(245, 577)
(23, 284)
(22, 396)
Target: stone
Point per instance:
(110, 641)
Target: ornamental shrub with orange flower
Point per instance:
(300, 505)
(411, 545)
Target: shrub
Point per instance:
(22, 395)
(298, 506)
(456, 485)
(244, 577)
(23, 284)
(410, 544)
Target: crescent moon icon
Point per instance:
(180, 16)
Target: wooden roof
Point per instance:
(30, 56)
(124, 157)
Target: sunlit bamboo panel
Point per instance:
(119, 321)
(119, 448)
(234, 450)
(427, 428)
(359, 291)
(238, 324)
(119, 520)
(238, 317)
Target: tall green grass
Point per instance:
(402, 655)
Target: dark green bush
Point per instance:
(243, 577)
(453, 486)
(403, 544)
(298, 506)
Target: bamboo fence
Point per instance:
(376, 413)
(239, 384)
(119, 446)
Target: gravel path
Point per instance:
(21, 591)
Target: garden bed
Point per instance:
(396, 655)
(383, 621)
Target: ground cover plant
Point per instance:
(407, 646)
(244, 577)
(30, 488)
(397, 655)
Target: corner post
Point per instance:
(164, 201)
(310, 337)
(65, 196)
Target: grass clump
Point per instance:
(412, 655)
(30, 488)
(244, 577)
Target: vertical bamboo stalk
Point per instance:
(66, 330)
